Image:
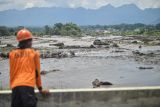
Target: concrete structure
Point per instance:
(105, 97)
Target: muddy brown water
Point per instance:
(80, 71)
(116, 65)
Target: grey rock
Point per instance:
(92, 46)
(145, 67)
(9, 45)
(115, 45)
(96, 83)
(100, 42)
(135, 42)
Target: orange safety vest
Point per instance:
(24, 68)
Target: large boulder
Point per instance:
(96, 83)
(134, 42)
(92, 46)
(9, 45)
(101, 42)
(115, 45)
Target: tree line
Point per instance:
(71, 29)
(68, 29)
(123, 29)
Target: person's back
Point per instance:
(22, 66)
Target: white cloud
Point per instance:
(29, 5)
(148, 3)
(89, 4)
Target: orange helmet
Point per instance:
(24, 34)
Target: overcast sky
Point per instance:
(89, 4)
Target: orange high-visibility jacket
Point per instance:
(24, 68)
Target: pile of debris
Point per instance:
(49, 54)
(150, 57)
(101, 42)
(105, 43)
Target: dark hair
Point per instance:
(24, 44)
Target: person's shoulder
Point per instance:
(13, 51)
(34, 50)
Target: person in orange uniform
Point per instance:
(25, 72)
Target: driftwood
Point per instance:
(145, 67)
(46, 72)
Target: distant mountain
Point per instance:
(106, 15)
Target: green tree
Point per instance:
(4, 31)
(57, 28)
(47, 30)
(71, 29)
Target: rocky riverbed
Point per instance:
(68, 62)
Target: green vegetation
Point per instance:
(7, 31)
(71, 29)
(4, 31)
(123, 30)
(68, 29)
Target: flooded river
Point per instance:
(116, 65)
